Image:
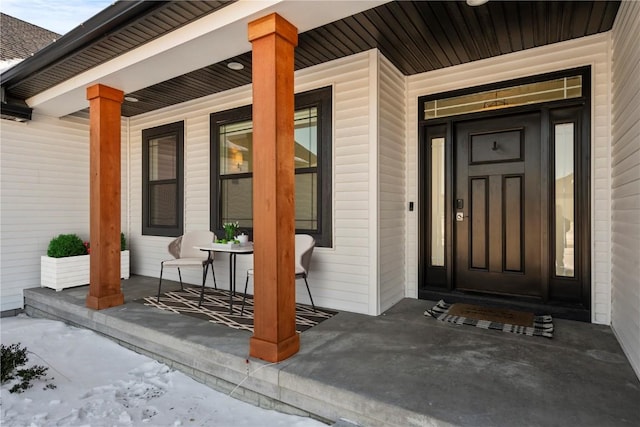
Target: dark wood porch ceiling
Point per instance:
(130, 25)
(417, 36)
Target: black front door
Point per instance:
(505, 197)
(498, 203)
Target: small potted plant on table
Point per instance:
(230, 231)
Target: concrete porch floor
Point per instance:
(397, 369)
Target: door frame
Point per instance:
(436, 283)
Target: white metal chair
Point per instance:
(185, 255)
(304, 249)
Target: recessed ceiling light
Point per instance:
(235, 66)
(131, 98)
(476, 2)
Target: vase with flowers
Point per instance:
(230, 230)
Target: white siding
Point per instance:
(625, 181)
(43, 195)
(391, 184)
(339, 276)
(45, 192)
(594, 51)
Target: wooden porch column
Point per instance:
(104, 113)
(273, 41)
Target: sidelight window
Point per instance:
(437, 202)
(564, 199)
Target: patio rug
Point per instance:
(517, 322)
(215, 308)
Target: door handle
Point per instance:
(459, 210)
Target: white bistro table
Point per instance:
(233, 251)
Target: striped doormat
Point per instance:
(516, 322)
(215, 308)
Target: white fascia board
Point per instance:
(211, 39)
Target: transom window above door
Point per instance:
(506, 97)
(232, 166)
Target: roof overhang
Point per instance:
(15, 112)
(213, 38)
(13, 109)
(163, 53)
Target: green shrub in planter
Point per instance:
(123, 242)
(66, 245)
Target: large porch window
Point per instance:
(232, 166)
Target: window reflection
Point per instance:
(236, 169)
(564, 200)
(236, 146)
(162, 158)
(306, 138)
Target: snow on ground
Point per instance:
(100, 383)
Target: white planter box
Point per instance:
(61, 273)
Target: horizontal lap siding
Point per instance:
(339, 276)
(45, 192)
(43, 195)
(625, 182)
(391, 184)
(594, 51)
(148, 251)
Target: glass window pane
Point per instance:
(235, 157)
(437, 202)
(532, 93)
(306, 138)
(236, 148)
(162, 205)
(430, 110)
(162, 158)
(306, 201)
(237, 201)
(564, 200)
